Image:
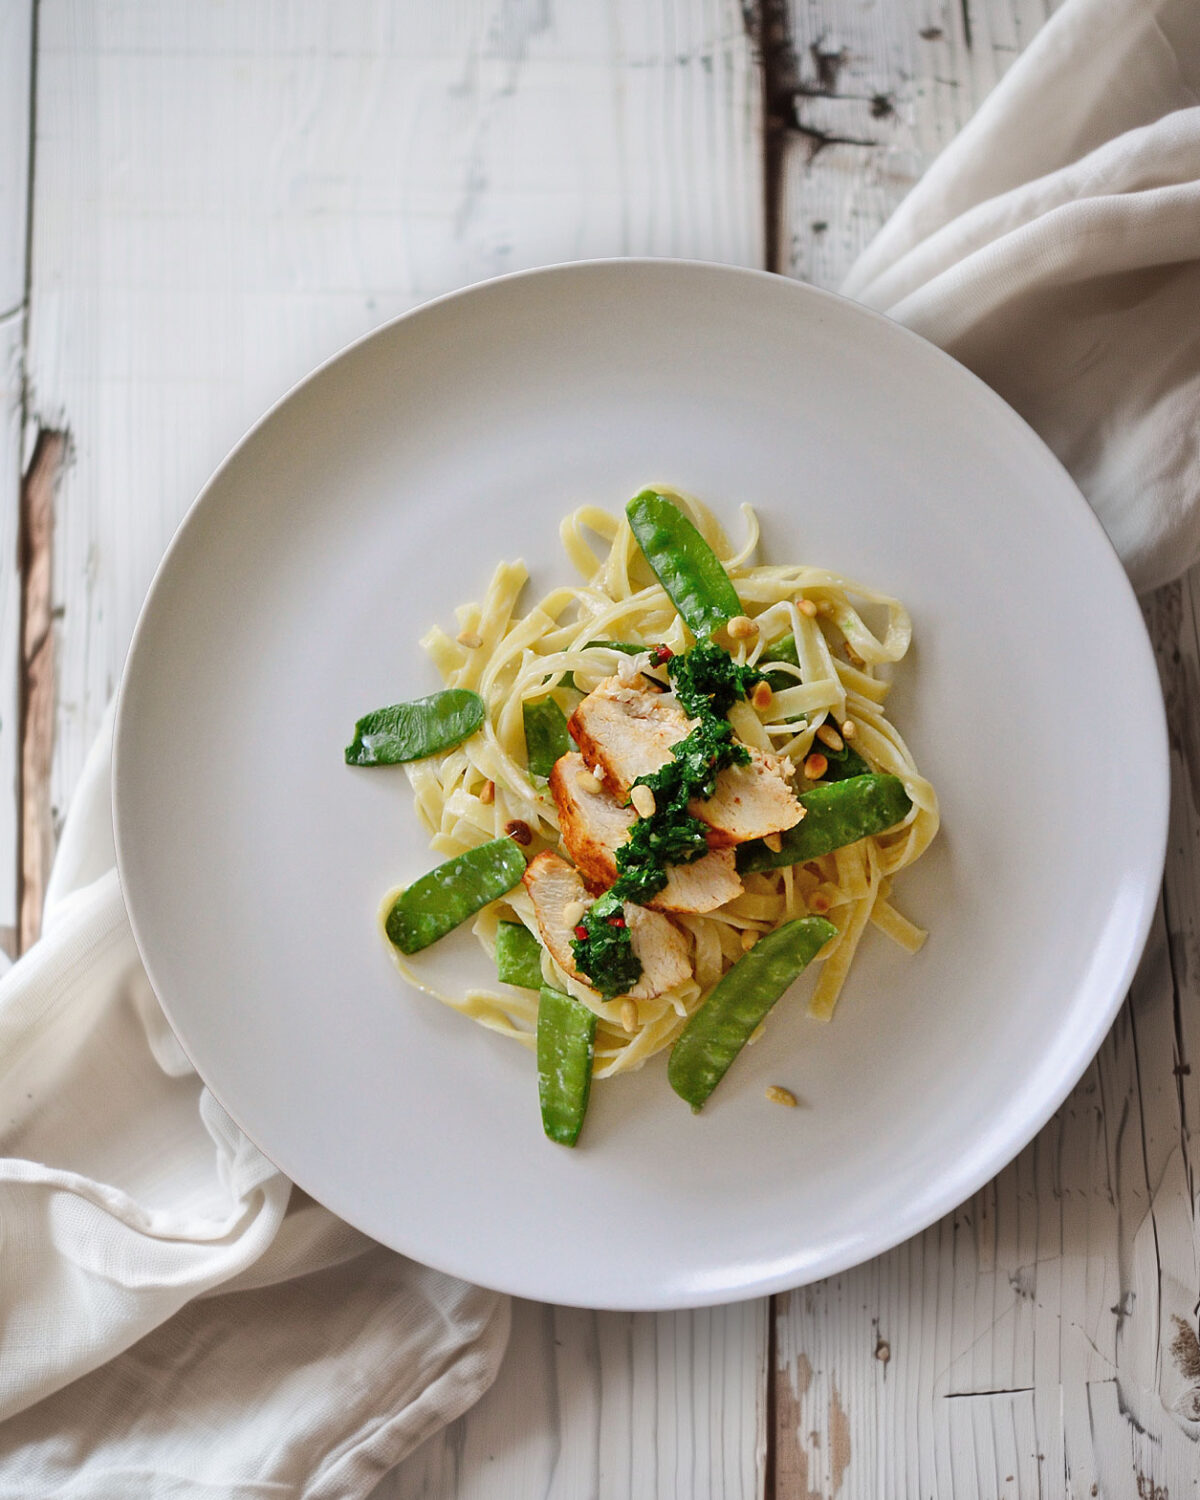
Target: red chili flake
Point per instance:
(662, 654)
(616, 921)
(581, 933)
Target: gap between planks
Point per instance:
(36, 680)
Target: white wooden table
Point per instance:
(197, 203)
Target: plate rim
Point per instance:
(1154, 757)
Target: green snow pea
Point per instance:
(566, 1036)
(724, 1023)
(409, 731)
(439, 901)
(836, 815)
(683, 563)
(546, 736)
(844, 764)
(518, 956)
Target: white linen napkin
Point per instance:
(1054, 249)
(175, 1318)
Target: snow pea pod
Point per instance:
(439, 901)
(724, 1023)
(836, 814)
(566, 1037)
(683, 563)
(546, 736)
(518, 956)
(844, 764)
(410, 731)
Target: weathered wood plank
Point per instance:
(224, 200)
(610, 1405)
(1041, 1340)
(879, 90)
(16, 83)
(227, 194)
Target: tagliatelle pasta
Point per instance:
(845, 638)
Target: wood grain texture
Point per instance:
(876, 92)
(225, 195)
(1042, 1340)
(16, 87)
(613, 1406)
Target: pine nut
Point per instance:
(807, 607)
(572, 913)
(487, 793)
(518, 830)
(773, 841)
(629, 1016)
(762, 696)
(470, 639)
(748, 938)
(828, 735)
(849, 729)
(741, 628)
(643, 801)
(778, 1095)
(818, 903)
(815, 766)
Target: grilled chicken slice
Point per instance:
(595, 825)
(553, 885)
(628, 730)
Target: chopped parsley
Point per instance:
(707, 682)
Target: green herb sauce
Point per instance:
(707, 682)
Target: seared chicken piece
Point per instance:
(595, 825)
(553, 885)
(628, 730)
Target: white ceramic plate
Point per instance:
(378, 495)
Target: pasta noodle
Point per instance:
(476, 791)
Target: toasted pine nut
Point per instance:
(643, 801)
(807, 607)
(849, 729)
(762, 696)
(749, 936)
(629, 1016)
(487, 793)
(518, 831)
(818, 903)
(572, 913)
(470, 639)
(741, 628)
(781, 1096)
(815, 766)
(828, 735)
(773, 841)
(588, 783)
(852, 655)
